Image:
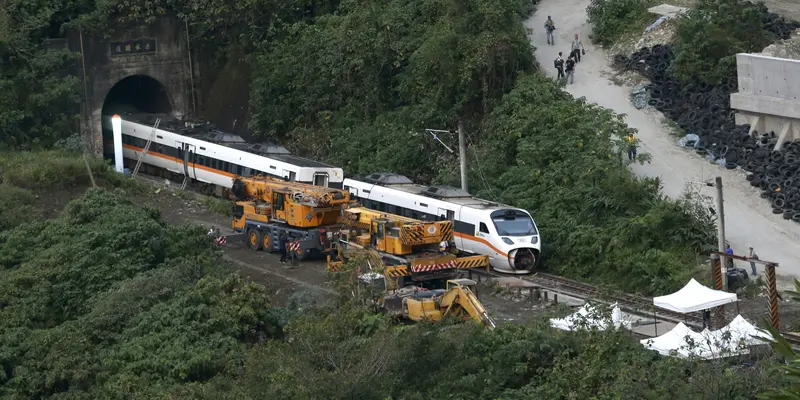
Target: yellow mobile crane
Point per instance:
(267, 209)
(409, 248)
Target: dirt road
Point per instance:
(749, 222)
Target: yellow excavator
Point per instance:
(417, 303)
(458, 301)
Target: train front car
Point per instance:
(517, 237)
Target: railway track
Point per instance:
(631, 303)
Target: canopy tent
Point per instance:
(694, 297)
(680, 340)
(732, 340)
(589, 316)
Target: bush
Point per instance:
(107, 301)
(707, 40)
(556, 156)
(16, 206)
(611, 19)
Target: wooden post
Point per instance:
(772, 291)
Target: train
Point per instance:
(196, 150)
(508, 235)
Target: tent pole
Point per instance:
(655, 322)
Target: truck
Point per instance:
(409, 249)
(267, 210)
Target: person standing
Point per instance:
(754, 256)
(570, 69)
(282, 246)
(559, 64)
(631, 139)
(549, 27)
(577, 48)
(729, 260)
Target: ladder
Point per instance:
(185, 181)
(146, 148)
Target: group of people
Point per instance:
(565, 68)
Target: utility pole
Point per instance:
(721, 229)
(462, 150)
(462, 155)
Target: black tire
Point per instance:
(788, 214)
(778, 203)
(254, 239)
(730, 165)
(777, 210)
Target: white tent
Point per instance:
(694, 297)
(680, 340)
(734, 339)
(589, 316)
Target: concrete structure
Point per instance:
(151, 63)
(769, 89)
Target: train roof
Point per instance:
(439, 192)
(206, 131)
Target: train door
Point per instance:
(288, 174)
(186, 154)
(321, 179)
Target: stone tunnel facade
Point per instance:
(159, 51)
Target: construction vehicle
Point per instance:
(409, 249)
(267, 210)
(418, 304)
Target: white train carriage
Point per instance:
(213, 157)
(507, 235)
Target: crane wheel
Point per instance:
(265, 242)
(254, 240)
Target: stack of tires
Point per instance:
(704, 109)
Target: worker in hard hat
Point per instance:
(631, 141)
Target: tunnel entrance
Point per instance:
(137, 93)
(134, 94)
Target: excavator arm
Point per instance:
(459, 300)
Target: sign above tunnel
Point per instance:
(133, 47)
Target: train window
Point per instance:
(225, 166)
(159, 136)
(272, 167)
(202, 148)
(423, 204)
(483, 228)
(239, 170)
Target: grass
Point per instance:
(16, 207)
(59, 169)
(619, 20)
(217, 205)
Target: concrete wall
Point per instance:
(769, 89)
(169, 64)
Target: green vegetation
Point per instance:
(706, 42)
(106, 300)
(613, 19)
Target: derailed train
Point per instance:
(195, 150)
